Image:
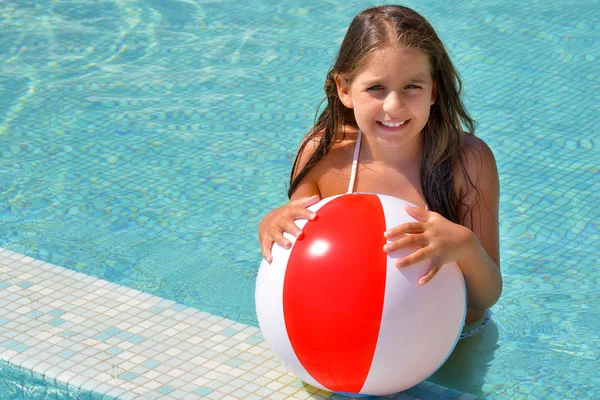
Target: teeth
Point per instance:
(392, 124)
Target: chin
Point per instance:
(396, 139)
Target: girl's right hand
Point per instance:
(280, 221)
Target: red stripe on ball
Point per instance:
(334, 290)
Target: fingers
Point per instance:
(302, 213)
(306, 201)
(297, 209)
(433, 269)
(265, 246)
(294, 210)
(281, 240)
(434, 266)
(290, 227)
(406, 241)
(282, 221)
(267, 242)
(404, 229)
(413, 258)
(418, 213)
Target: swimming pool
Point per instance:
(142, 142)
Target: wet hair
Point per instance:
(442, 137)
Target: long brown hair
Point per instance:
(443, 135)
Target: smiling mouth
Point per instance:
(393, 125)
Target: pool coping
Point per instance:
(96, 336)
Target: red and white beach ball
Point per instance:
(341, 317)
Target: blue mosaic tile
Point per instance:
(114, 351)
(165, 390)
(57, 321)
(112, 331)
(203, 391)
(128, 376)
(56, 313)
(136, 339)
(19, 348)
(9, 344)
(254, 340)
(4, 285)
(228, 332)
(101, 336)
(35, 314)
(124, 335)
(423, 394)
(25, 285)
(66, 353)
(234, 362)
(452, 393)
(150, 364)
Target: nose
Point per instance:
(393, 103)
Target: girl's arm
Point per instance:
(273, 225)
(281, 220)
(480, 262)
(473, 244)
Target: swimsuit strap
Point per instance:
(354, 163)
(355, 166)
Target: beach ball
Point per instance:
(339, 315)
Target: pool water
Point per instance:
(142, 142)
(16, 383)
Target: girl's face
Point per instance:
(391, 95)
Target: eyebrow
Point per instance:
(419, 79)
(415, 79)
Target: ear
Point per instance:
(343, 89)
(434, 93)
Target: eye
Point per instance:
(376, 87)
(413, 86)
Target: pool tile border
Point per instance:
(120, 343)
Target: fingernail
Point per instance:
(422, 281)
(313, 216)
(386, 248)
(299, 235)
(386, 234)
(400, 263)
(269, 259)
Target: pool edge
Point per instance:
(96, 336)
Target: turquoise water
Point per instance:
(141, 142)
(16, 383)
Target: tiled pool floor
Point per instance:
(98, 336)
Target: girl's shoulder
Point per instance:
(477, 156)
(328, 171)
(477, 166)
(337, 156)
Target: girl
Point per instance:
(393, 103)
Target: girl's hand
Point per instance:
(280, 220)
(440, 240)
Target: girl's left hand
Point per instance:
(440, 240)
